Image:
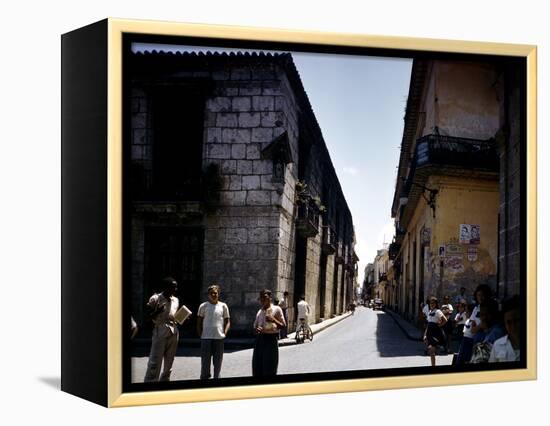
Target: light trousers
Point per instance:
(163, 350)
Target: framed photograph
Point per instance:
(253, 212)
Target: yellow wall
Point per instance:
(459, 201)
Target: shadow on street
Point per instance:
(389, 339)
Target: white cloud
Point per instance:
(351, 171)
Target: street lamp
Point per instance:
(429, 200)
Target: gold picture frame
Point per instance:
(115, 29)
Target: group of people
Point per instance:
(213, 324)
(486, 333)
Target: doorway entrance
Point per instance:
(176, 252)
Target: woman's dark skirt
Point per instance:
(435, 335)
(265, 358)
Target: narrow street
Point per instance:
(367, 340)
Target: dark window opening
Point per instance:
(178, 121)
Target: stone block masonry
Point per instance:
(242, 247)
(250, 234)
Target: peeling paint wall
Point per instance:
(459, 201)
(461, 100)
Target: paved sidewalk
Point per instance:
(410, 330)
(316, 328)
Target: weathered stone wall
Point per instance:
(312, 275)
(340, 295)
(242, 239)
(137, 267)
(250, 236)
(461, 100)
(510, 139)
(329, 283)
(141, 138)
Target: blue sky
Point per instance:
(359, 103)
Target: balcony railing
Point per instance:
(307, 220)
(393, 250)
(329, 240)
(452, 152)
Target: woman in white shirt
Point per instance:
(434, 335)
(460, 317)
(472, 325)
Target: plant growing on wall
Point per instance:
(302, 193)
(304, 197)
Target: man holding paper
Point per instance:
(163, 309)
(212, 326)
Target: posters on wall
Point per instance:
(472, 254)
(455, 263)
(426, 235)
(469, 234)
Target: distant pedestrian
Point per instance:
(212, 326)
(434, 335)
(447, 310)
(269, 320)
(426, 311)
(423, 319)
(460, 318)
(303, 312)
(460, 296)
(284, 306)
(162, 308)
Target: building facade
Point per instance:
(232, 184)
(452, 190)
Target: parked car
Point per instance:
(378, 304)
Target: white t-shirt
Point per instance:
(460, 318)
(503, 351)
(426, 310)
(474, 319)
(435, 316)
(213, 316)
(303, 309)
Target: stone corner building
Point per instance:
(232, 183)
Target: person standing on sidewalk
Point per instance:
(448, 310)
(284, 306)
(163, 306)
(482, 295)
(213, 324)
(460, 318)
(303, 312)
(269, 320)
(434, 335)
